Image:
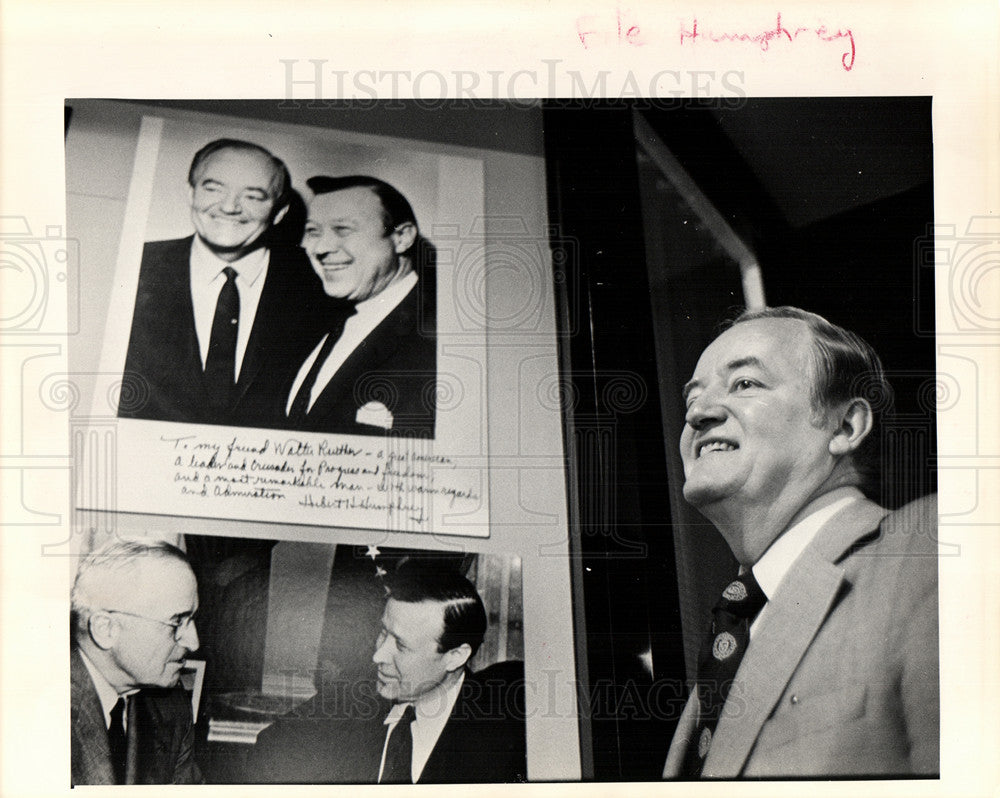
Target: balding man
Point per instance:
(822, 656)
(132, 624)
(220, 314)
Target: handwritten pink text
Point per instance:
(778, 33)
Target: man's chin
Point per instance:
(700, 494)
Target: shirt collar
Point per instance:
(206, 265)
(387, 299)
(106, 694)
(435, 705)
(776, 562)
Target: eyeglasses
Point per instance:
(180, 627)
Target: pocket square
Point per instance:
(374, 414)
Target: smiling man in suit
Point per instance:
(375, 367)
(219, 314)
(430, 720)
(132, 624)
(822, 658)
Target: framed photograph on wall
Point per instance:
(336, 377)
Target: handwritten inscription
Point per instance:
(398, 478)
(621, 27)
(780, 32)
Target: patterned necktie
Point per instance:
(721, 653)
(300, 405)
(399, 751)
(117, 741)
(220, 365)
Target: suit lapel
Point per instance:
(796, 612)
(375, 349)
(132, 742)
(178, 320)
(89, 731)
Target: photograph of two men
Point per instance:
(500, 443)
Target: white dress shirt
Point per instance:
(777, 561)
(207, 279)
(367, 316)
(432, 712)
(106, 694)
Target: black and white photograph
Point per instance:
(286, 280)
(584, 397)
(316, 663)
(759, 430)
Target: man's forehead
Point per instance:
(252, 164)
(759, 343)
(414, 618)
(165, 584)
(345, 203)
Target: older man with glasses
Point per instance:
(132, 625)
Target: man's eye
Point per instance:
(743, 384)
(343, 231)
(255, 198)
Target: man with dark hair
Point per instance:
(375, 367)
(132, 624)
(822, 656)
(219, 315)
(441, 722)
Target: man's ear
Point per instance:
(854, 423)
(103, 630)
(403, 237)
(457, 657)
(280, 214)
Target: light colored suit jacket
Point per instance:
(841, 677)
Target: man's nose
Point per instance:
(189, 637)
(380, 656)
(704, 410)
(231, 203)
(326, 244)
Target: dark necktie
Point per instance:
(399, 751)
(300, 405)
(722, 651)
(220, 365)
(117, 742)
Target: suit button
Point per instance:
(794, 699)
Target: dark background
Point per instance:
(835, 197)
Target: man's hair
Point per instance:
(844, 367)
(281, 180)
(396, 209)
(114, 561)
(417, 581)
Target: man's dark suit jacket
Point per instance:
(483, 740)
(163, 373)
(160, 735)
(395, 367)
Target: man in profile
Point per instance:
(375, 367)
(822, 657)
(132, 626)
(434, 719)
(219, 314)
